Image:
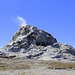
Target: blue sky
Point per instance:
(54, 16)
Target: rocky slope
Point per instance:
(32, 43)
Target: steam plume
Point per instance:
(21, 21)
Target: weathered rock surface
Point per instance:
(32, 43)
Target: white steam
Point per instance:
(21, 21)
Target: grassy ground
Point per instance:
(16, 64)
(61, 65)
(8, 65)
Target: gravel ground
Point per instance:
(38, 72)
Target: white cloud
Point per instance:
(21, 21)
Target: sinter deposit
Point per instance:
(32, 43)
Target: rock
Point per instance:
(59, 52)
(31, 43)
(27, 35)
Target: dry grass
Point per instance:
(19, 64)
(4, 67)
(61, 65)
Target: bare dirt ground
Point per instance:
(35, 67)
